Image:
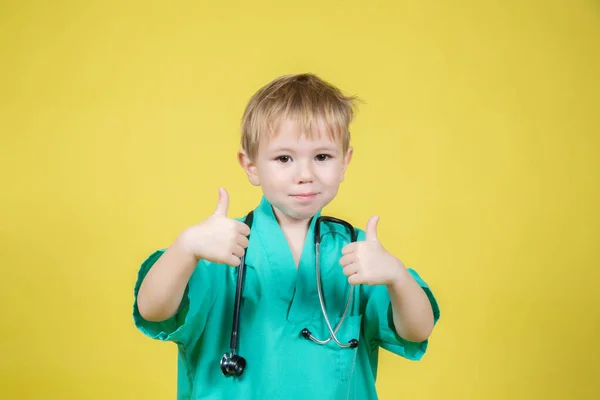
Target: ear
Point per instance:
(249, 167)
(347, 159)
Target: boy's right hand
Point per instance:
(218, 238)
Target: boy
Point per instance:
(295, 146)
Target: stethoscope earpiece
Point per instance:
(232, 365)
(305, 333)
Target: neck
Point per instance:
(295, 231)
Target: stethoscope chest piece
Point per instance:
(232, 365)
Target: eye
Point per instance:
(323, 157)
(284, 159)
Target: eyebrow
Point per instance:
(320, 149)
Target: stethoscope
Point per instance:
(233, 364)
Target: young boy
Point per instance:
(295, 146)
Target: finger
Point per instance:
(351, 269)
(242, 228)
(238, 251)
(349, 248)
(223, 203)
(242, 241)
(347, 259)
(233, 261)
(371, 230)
(355, 279)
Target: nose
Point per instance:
(304, 172)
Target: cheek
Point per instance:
(272, 176)
(332, 175)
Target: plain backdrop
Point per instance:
(477, 143)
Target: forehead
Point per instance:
(291, 133)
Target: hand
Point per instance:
(368, 262)
(218, 238)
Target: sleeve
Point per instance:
(379, 319)
(187, 325)
(379, 324)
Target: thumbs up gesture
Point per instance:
(368, 262)
(218, 238)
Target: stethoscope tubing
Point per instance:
(234, 365)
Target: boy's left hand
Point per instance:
(368, 262)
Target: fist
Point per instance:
(218, 238)
(368, 262)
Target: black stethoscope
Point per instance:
(231, 363)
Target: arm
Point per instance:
(162, 290)
(413, 315)
(218, 239)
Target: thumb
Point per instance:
(223, 204)
(371, 231)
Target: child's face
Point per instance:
(298, 176)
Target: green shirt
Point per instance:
(279, 301)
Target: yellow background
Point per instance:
(477, 143)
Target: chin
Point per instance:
(304, 212)
(297, 213)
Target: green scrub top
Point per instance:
(279, 300)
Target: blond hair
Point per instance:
(305, 99)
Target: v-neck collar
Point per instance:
(293, 285)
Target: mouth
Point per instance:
(305, 196)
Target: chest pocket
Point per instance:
(349, 330)
(343, 360)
